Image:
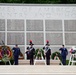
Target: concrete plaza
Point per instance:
(37, 70)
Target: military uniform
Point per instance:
(64, 53)
(31, 51)
(47, 53)
(16, 53)
(27, 53)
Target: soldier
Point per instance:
(31, 51)
(47, 52)
(27, 54)
(16, 53)
(64, 53)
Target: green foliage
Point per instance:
(7, 63)
(67, 61)
(12, 61)
(40, 1)
(5, 58)
(39, 53)
(56, 54)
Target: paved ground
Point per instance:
(37, 70)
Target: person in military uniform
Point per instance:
(16, 53)
(31, 51)
(47, 52)
(27, 54)
(64, 53)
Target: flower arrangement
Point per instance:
(39, 54)
(5, 53)
(73, 50)
(56, 56)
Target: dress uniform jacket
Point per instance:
(31, 51)
(47, 54)
(64, 53)
(31, 54)
(16, 53)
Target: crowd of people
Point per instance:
(30, 52)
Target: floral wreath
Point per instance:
(56, 56)
(7, 52)
(72, 50)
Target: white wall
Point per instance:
(56, 23)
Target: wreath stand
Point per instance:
(71, 60)
(57, 60)
(39, 59)
(7, 60)
(42, 60)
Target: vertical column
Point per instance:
(44, 31)
(25, 34)
(5, 31)
(63, 32)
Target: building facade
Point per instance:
(20, 23)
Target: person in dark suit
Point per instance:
(16, 53)
(47, 52)
(31, 51)
(64, 53)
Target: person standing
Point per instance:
(47, 52)
(31, 51)
(27, 54)
(64, 53)
(16, 53)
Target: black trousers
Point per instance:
(31, 61)
(47, 61)
(15, 60)
(64, 61)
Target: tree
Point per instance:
(40, 1)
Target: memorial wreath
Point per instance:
(5, 52)
(39, 54)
